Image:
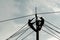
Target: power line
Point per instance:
(52, 25)
(51, 31)
(28, 16)
(54, 29)
(50, 34)
(49, 12)
(15, 18)
(22, 34)
(18, 32)
(27, 35)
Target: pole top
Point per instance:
(35, 10)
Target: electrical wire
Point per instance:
(27, 35)
(22, 34)
(52, 24)
(18, 32)
(49, 12)
(46, 26)
(27, 16)
(50, 34)
(51, 31)
(15, 18)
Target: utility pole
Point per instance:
(39, 24)
(37, 32)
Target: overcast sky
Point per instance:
(15, 8)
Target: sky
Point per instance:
(16, 8)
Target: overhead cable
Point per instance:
(27, 16)
(19, 31)
(27, 35)
(51, 31)
(50, 34)
(22, 34)
(52, 24)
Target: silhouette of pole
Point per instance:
(39, 24)
(37, 31)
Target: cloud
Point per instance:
(7, 9)
(52, 38)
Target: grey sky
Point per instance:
(15, 8)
